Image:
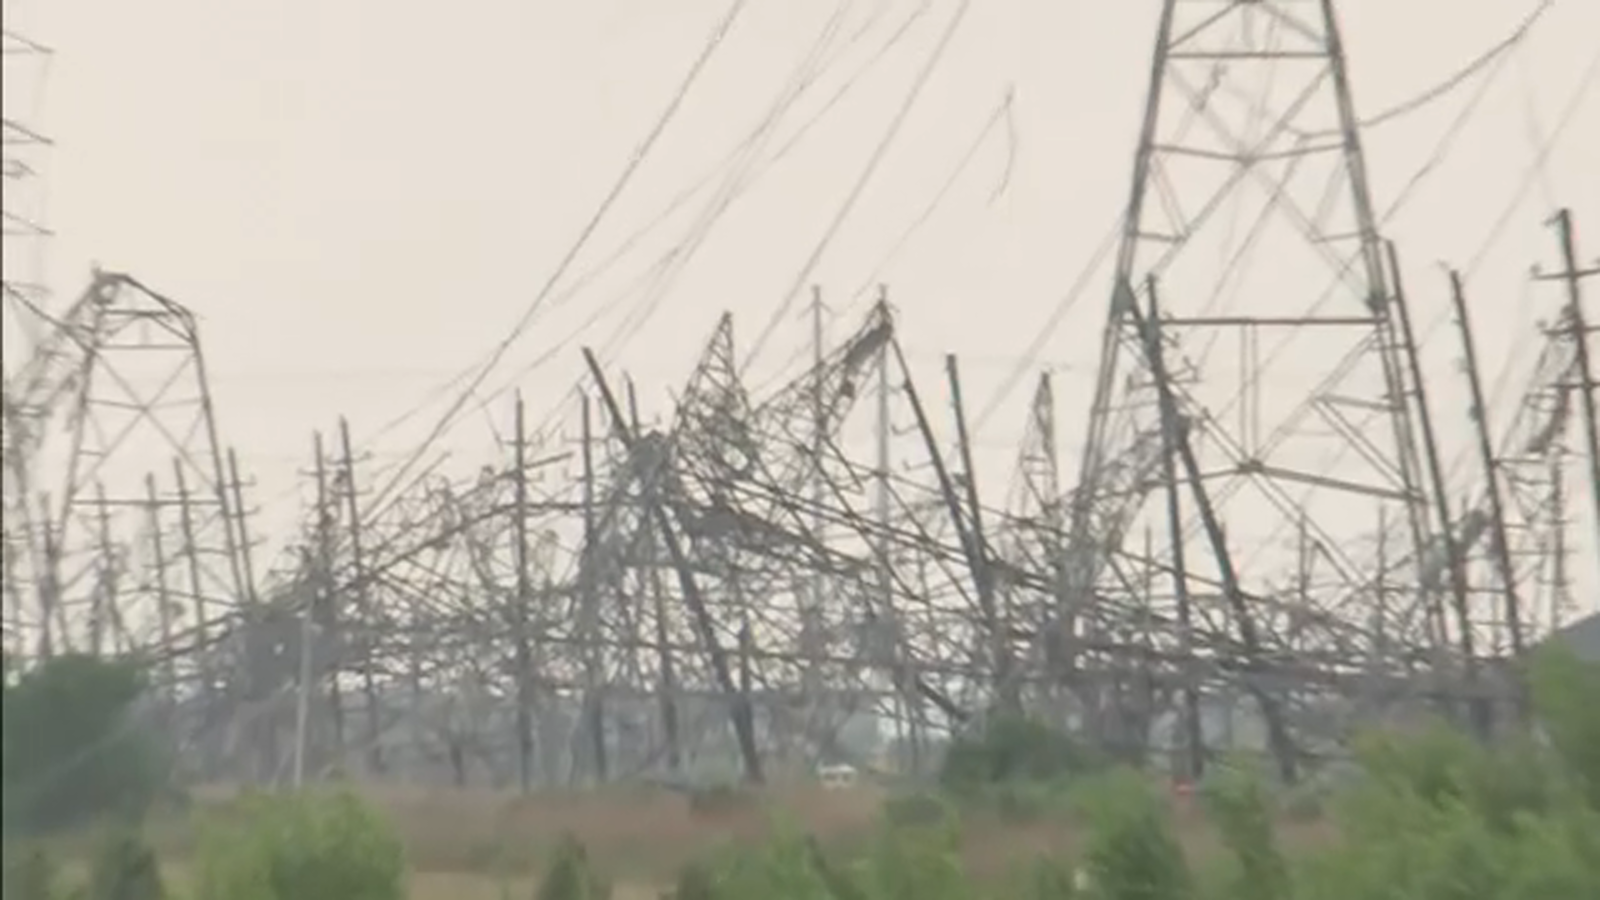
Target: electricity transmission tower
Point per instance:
(1257, 406)
(23, 284)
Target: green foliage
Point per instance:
(913, 809)
(720, 799)
(1014, 749)
(1240, 809)
(1432, 816)
(30, 874)
(1441, 817)
(1564, 689)
(124, 867)
(1133, 853)
(695, 881)
(72, 748)
(570, 875)
(785, 866)
(1044, 879)
(300, 847)
(913, 863)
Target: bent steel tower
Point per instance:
(1254, 405)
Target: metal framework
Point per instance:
(720, 589)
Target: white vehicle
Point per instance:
(837, 777)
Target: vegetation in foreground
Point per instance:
(1435, 816)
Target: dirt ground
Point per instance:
(479, 843)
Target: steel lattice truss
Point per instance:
(726, 587)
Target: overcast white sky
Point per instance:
(361, 198)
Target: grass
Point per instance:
(485, 844)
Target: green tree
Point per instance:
(300, 847)
(124, 867)
(1012, 748)
(1564, 690)
(1133, 852)
(74, 748)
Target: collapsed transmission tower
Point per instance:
(23, 284)
(112, 400)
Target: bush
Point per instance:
(1239, 808)
(300, 847)
(919, 808)
(1132, 852)
(695, 881)
(30, 874)
(1564, 691)
(125, 868)
(73, 750)
(570, 876)
(1011, 749)
(720, 799)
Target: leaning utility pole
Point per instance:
(1491, 469)
(360, 581)
(327, 615)
(1278, 739)
(589, 595)
(1455, 567)
(1573, 276)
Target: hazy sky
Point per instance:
(361, 198)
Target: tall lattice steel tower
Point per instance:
(23, 149)
(24, 294)
(1256, 403)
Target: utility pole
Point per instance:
(594, 649)
(246, 557)
(1380, 609)
(1456, 568)
(1278, 737)
(104, 597)
(363, 589)
(1194, 736)
(522, 602)
(666, 661)
(191, 555)
(994, 607)
(163, 598)
(327, 603)
(1491, 468)
(261, 684)
(811, 616)
(50, 611)
(905, 697)
(302, 704)
(1560, 585)
(664, 511)
(1573, 276)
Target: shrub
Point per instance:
(30, 874)
(1132, 852)
(720, 799)
(73, 748)
(570, 876)
(695, 881)
(1045, 879)
(1238, 806)
(300, 847)
(1014, 748)
(918, 808)
(914, 863)
(1564, 689)
(125, 868)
